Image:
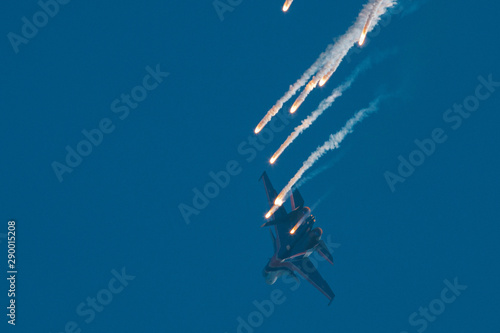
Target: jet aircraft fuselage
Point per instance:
(296, 238)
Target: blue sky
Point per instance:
(118, 210)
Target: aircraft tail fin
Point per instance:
(271, 196)
(270, 191)
(274, 239)
(297, 200)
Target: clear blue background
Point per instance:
(119, 208)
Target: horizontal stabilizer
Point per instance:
(268, 223)
(324, 252)
(273, 222)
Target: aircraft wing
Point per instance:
(306, 268)
(271, 196)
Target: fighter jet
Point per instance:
(295, 240)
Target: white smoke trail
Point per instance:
(294, 88)
(374, 9)
(332, 143)
(375, 13)
(320, 170)
(331, 57)
(325, 104)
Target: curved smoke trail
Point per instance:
(332, 143)
(325, 104)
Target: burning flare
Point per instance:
(369, 21)
(325, 78)
(295, 228)
(330, 73)
(287, 5)
(272, 211)
(257, 129)
(363, 36)
(310, 86)
(278, 202)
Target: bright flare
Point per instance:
(330, 73)
(262, 123)
(273, 159)
(326, 78)
(295, 106)
(362, 37)
(295, 228)
(277, 204)
(271, 211)
(310, 86)
(373, 13)
(287, 5)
